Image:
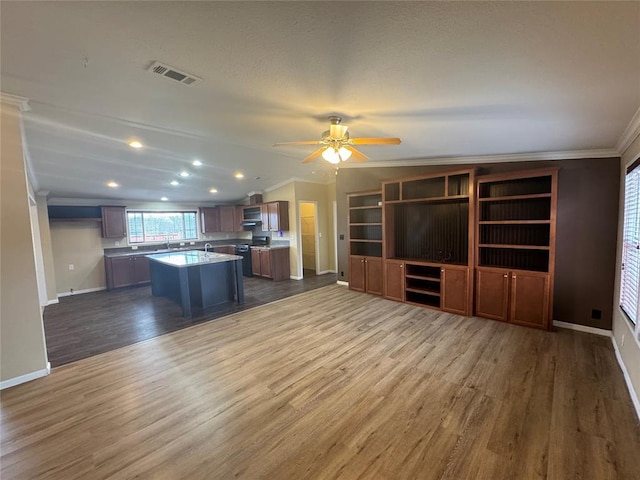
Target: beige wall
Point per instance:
(22, 343)
(630, 351)
(47, 249)
(80, 245)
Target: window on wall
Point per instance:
(161, 226)
(630, 276)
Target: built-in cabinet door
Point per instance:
(141, 270)
(356, 273)
(453, 290)
(492, 293)
(265, 263)
(121, 271)
(394, 280)
(114, 222)
(530, 299)
(255, 261)
(227, 218)
(264, 216)
(373, 269)
(210, 217)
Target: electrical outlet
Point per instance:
(192, 243)
(71, 267)
(134, 247)
(319, 234)
(182, 244)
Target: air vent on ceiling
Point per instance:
(173, 73)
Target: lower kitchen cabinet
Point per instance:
(520, 297)
(270, 263)
(365, 274)
(127, 270)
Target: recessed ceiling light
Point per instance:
(213, 190)
(175, 182)
(184, 174)
(239, 175)
(135, 144)
(112, 185)
(164, 199)
(196, 163)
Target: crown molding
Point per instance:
(630, 133)
(297, 179)
(21, 102)
(519, 157)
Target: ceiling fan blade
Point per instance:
(375, 141)
(315, 154)
(338, 131)
(310, 142)
(356, 155)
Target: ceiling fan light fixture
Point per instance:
(344, 153)
(331, 155)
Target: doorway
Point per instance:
(309, 236)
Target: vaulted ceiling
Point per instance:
(451, 79)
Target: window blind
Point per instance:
(630, 273)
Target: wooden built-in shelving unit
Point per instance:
(365, 241)
(516, 247)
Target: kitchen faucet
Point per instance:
(207, 246)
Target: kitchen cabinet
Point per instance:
(520, 297)
(270, 263)
(230, 218)
(365, 274)
(228, 249)
(275, 216)
(394, 280)
(210, 219)
(114, 222)
(127, 270)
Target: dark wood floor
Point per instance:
(81, 326)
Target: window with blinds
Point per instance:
(630, 276)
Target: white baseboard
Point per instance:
(79, 292)
(582, 328)
(325, 271)
(340, 282)
(627, 378)
(294, 277)
(53, 302)
(12, 382)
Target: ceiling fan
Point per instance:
(337, 145)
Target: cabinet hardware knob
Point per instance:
(401, 265)
(505, 275)
(513, 276)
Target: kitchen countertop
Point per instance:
(269, 247)
(192, 257)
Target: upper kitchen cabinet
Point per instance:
(275, 216)
(114, 222)
(210, 219)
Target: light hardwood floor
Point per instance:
(331, 384)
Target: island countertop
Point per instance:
(192, 257)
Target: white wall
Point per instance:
(630, 350)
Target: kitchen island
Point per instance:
(197, 280)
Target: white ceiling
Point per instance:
(450, 79)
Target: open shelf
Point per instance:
(365, 232)
(422, 299)
(536, 260)
(521, 187)
(365, 199)
(526, 234)
(538, 208)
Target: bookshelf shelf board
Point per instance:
(515, 197)
(515, 247)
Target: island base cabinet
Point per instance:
(518, 297)
(454, 292)
(365, 274)
(394, 280)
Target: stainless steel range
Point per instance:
(244, 250)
